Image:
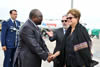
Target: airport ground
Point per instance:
(51, 45)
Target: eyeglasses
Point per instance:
(63, 20)
(69, 18)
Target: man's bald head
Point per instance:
(36, 16)
(35, 13)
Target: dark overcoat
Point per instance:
(32, 48)
(58, 37)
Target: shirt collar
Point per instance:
(12, 20)
(64, 30)
(33, 23)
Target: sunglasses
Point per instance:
(69, 18)
(63, 20)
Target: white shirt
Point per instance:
(13, 21)
(64, 30)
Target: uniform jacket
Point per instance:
(8, 33)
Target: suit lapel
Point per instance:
(17, 25)
(62, 31)
(11, 23)
(38, 33)
(34, 27)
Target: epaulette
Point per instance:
(3, 21)
(7, 20)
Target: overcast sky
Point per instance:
(53, 9)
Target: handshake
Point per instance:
(51, 57)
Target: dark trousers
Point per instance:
(75, 66)
(8, 57)
(78, 66)
(55, 64)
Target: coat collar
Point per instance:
(12, 20)
(32, 23)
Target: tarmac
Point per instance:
(51, 45)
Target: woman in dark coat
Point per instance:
(77, 43)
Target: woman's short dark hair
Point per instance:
(12, 11)
(76, 13)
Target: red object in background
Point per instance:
(51, 24)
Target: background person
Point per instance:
(57, 36)
(9, 38)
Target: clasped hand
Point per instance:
(51, 57)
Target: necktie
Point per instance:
(14, 23)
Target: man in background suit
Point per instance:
(32, 48)
(57, 36)
(9, 38)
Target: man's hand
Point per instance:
(4, 48)
(50, 58)
(49, 54)
(50, 33)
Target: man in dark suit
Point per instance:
(9, 38)
(32, 48)
(57, 36)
